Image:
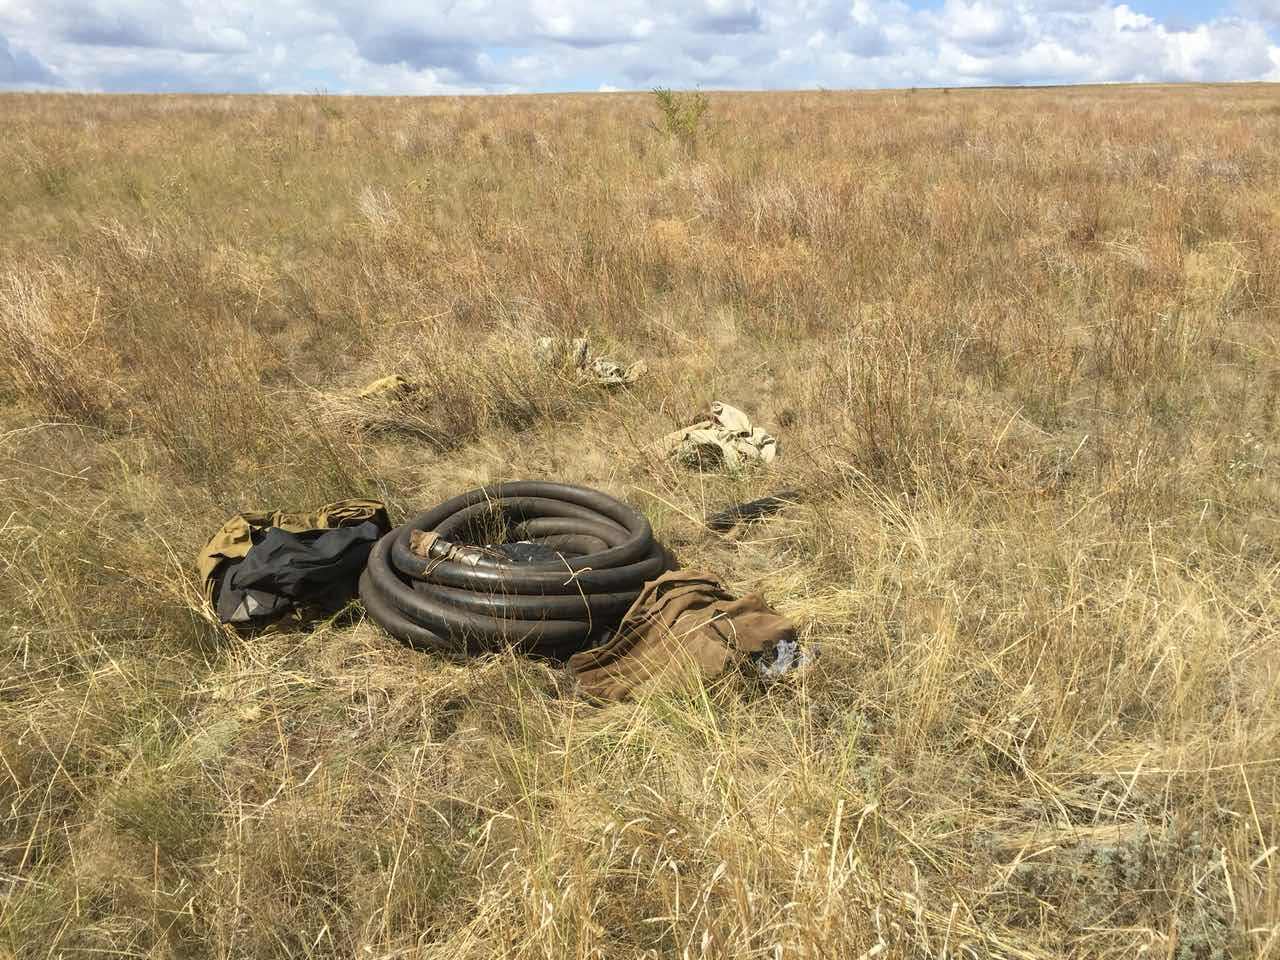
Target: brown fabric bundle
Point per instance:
(684, 626)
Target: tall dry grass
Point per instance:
(1020, 348)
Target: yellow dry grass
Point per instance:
(1020, 349)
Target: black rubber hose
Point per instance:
(462, 600)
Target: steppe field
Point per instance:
(1021, 349)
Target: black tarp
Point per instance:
(285, 570)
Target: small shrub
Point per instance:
(683, 115)
(326, 105)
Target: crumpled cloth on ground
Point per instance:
(242, 533)
(576, 353)
(685, 627)
(726, 439)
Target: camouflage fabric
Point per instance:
(237, 535)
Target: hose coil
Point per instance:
(463, 599)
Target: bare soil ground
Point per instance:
(1020, 349)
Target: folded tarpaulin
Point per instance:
(298, 565)
(683, 627)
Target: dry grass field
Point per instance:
(1021, 350)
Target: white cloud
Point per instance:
(19, 69)
(981, 24)
(506, 45)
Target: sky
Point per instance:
(512, 46)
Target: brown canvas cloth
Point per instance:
(236, 536)
(684, 626)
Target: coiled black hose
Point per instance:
(465, 600)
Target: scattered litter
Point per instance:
(626, 623)
(725, 439)
(576, 355)
(685, 626)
